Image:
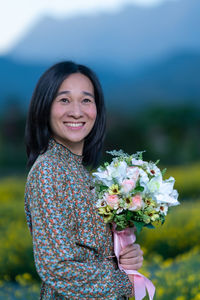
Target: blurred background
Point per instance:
(147, 56)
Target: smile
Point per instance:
(74, 125)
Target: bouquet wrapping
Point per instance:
(132, 194)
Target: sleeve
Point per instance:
(59, 260)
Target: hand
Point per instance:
(131, 257)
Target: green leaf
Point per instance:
(139, 226)
(102, 188)
(164, 171)
(119, 153)
(162, 219)
(139, 189)
(139, 155)
(115, 181)
(129, 215)
(149, 226)
(120, 227)
(120, 218)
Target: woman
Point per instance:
(73, 249)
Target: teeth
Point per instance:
(74, 124)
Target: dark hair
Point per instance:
(38, 131)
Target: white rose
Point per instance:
(154, 185)
(144, 179)
(118, 172)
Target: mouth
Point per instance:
(74, 125)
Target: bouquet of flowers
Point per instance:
(132, 193)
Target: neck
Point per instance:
(76, 148)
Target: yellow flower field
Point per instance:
(187, 179)
(172, 251)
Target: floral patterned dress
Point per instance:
(72, 246)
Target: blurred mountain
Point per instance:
(133, 36)
(142, 55)
(173, 80)
(17, 81)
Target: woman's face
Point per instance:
(73, 112)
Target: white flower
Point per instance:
(167, 194)
(144, 179)
(174, 194)
(162, 208)
(163, 198)
(167, 185)
(138, 162)
(133, 173)
(154, 185)
(153, 170)
(162, 191)
(101, 203)
(117, 170)
(119, 210)
(104, 177)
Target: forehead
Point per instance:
(77, 81)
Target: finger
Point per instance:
(131, 261)
(132, 253)
(129, 248)
(132, 267)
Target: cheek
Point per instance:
(55, 113)
(92, 113)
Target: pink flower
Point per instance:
(112, 200)
(137, 203)
(133, 173)
(128, 185)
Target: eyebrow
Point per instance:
(68, 92)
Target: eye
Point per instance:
(64, 100)
(87, 100)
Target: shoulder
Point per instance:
(44, 164)
(46, 170)
(50, 170)
(45, 180)
(48, 164)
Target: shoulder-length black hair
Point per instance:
(38, 131)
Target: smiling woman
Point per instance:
(67, 93)
(73, 248)
(73, 112)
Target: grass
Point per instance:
(171, 251)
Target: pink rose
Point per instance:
(128, 185)
(112, 200)
(133, 173)
(137, 203)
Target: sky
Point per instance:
(17, 17)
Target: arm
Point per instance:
(59, 261)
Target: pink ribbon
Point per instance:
(140, 282)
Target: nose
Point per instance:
(75, 110)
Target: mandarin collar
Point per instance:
(64, 151)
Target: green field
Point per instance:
(171, 251)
